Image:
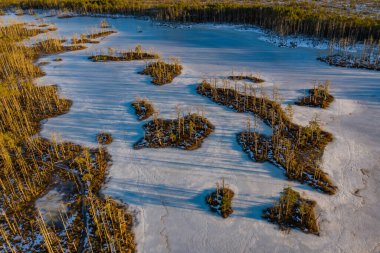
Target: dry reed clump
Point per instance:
(52, 29)
(104, 138)
(144, 108)
(104, 24)
(100, 34)
(296, 149)
(162, 72)
(31, 166)
(82, 39)
(43, 63)
(55, 46)
(220, 200)
(132, 55)
(293, 211)
(319, 96)
(250, 78)
(17, 32)
(185, 132)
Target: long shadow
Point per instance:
(158, 194)
(143, 194)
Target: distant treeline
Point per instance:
(291, 18)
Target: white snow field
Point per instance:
(165, 188)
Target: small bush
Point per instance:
(293, 211)
(319, 96)
(162, 73)
(249, 78)
(104, 24)
(144, 108)
(220, 201)
(43, 63)
(104, 138)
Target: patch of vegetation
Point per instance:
(32, 166)
(100, 34)
(111, 221)
(144, 108)
(220, 200)
(57, 59)
(18, 32)
(83, 40)
(319, 96)
(104, 24)
(131, 55)
(250, 78)
(346, 53)
(43, 63)
(351, 61)
(43, 25)
(104, 138)
(162, 72)
(52, 29)
(296, 149)
(185, 132)
(293, 211)
(55, 46)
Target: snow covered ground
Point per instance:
(165, 188)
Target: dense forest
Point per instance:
(288, 17)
